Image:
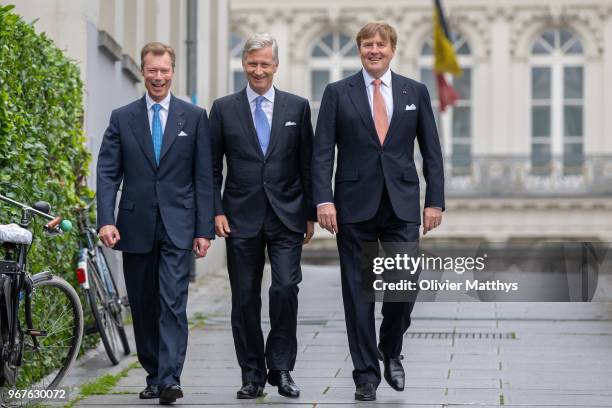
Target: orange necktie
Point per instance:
(380, 112)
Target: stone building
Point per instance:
(528, 149)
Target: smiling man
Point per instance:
(265, 135)
(160, 148)
(373, 118)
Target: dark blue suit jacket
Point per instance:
(281, 178)
(181, 187)
(364, 166)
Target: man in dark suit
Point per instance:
(159, 147)
(373, 117)
(266, 137)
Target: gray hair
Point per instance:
(258, 42)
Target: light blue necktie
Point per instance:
(156, 131)
(261, 125)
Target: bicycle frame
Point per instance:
(90, 249)
(14, 268)
(16, 286)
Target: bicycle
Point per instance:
(95, 277)
(41, 319)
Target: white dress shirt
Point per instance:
(163, 112)
(267, 104)
(385, 88)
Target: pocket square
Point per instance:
(410, 107)
(182, 133)
(289, 123)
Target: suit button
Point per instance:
(265, 162)
(265, 183)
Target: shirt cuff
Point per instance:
(327, 202)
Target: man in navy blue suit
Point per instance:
(373, 118)
(265, 136)
(159, 147)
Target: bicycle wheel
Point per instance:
(55, 310)
(115, 300)
(5, 375)
(100, 305)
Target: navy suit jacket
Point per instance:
(364, 166)
(281, 177)
(180, 187)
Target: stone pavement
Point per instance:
(459, 353)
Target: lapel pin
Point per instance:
(404, 92)
(180, 124)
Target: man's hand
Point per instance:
(109, 235)
(200, 247)
(326, 215)
(432, 217)
(222, 228)
(309, 232)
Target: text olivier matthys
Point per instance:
(411, 265)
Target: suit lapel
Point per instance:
(142, 130)
(246, 119)
(399, 90)
(359, 97)
(174, 124)
(277, 117)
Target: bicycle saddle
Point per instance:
(14, 234)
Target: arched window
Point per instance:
(455, 124)
(236, 77)
(557, 104)
(333, 57)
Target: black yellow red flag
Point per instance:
(445, 59)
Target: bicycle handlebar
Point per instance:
(55, 223)
(58, 222)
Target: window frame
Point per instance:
(235, 56)
(556, 61)
(336, 63)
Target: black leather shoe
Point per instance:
(394, 372)
(250, 390)
(152, 391)
(365, 392)
(170, 393)
(282, 379)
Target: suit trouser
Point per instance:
(157, 285)
(385, 227)
(246, 257)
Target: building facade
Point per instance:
(528, 150)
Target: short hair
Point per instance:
(156, 48)
(258, 42)
(372, 28)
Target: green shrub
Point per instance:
(42, 145)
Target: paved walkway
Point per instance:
(484, 354)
